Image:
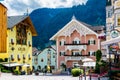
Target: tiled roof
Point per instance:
(14, 20)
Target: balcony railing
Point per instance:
(74, 57)
(76, 46)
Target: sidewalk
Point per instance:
(93, 78)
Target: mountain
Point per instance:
(48, 21)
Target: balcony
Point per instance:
(80, 46)
(74, 57)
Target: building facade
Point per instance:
(3, 32)
(19, 39)
(112, 18)
(112, 29)
(76, 41)
(47, 57)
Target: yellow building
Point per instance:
(3, 32)
(19, 39)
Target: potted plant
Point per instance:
(76, 72)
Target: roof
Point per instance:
(36, 53)
(97, 28)
(79, 22)
(14, 20)
(3, 5)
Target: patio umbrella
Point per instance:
(90, 64)
(87, 60)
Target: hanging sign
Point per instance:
(114, 34)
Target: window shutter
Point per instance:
(64, 53)
(89, 53)
(60, 53)
(72, 54)
(94, 53)
(64, 42)
(88, 41)
(73, 42)
(60, 43)
(94, 41)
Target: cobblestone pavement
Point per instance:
(9, 76)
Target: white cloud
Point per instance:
(19, 7)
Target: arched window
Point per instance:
(76, 41)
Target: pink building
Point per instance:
(75, 41)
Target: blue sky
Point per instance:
(19, 7)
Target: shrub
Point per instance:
(76, 72)
(6, 71)
(16, 72)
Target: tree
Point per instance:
(98, 55)
(98, 59)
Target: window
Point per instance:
(18, 56)
(12, 42)
(12, 57)
(21, 36)
(76, 53)
(91, 53)
(11, 29)
(118, 22)
(53, 56)
(91, 41)
(23, 56)
(62, 53)
(42, 60)
(76, 41)
(62, 42)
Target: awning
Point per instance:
(12, 64)
(114, 40)
(87, 60)
(25, 65)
